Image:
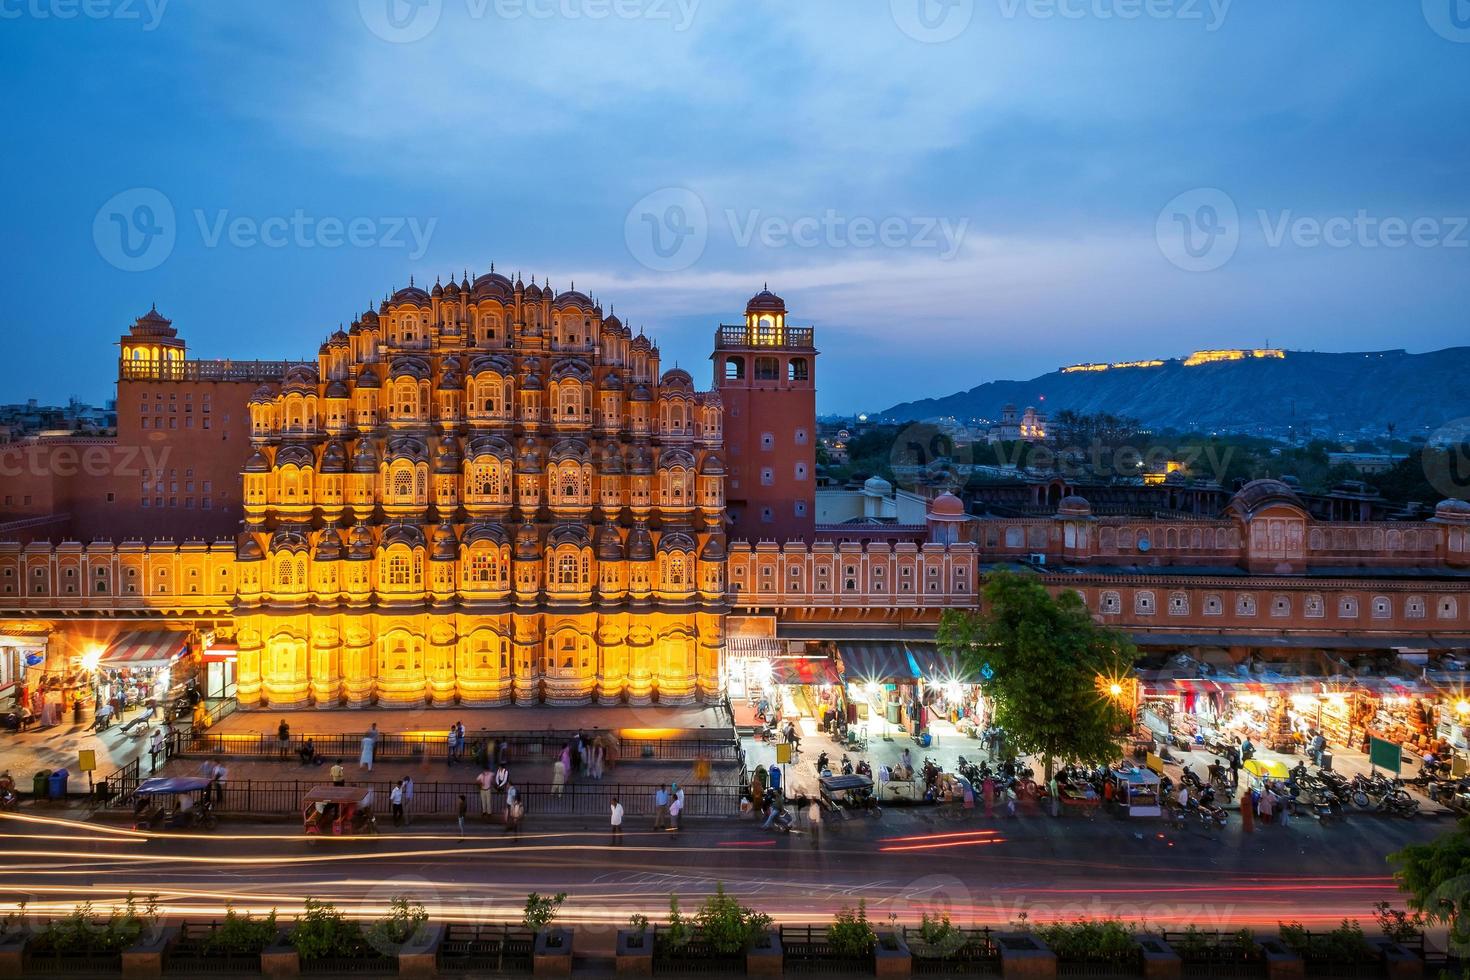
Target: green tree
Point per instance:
(1050, 665)
(1436, 878)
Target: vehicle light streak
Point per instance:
(976, 842)
(922, 837)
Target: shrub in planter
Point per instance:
(1089, 939)
(851, 934)
(322, 932)
(938, 938)
(1346, 943)
(405, 925)
(728, 926)
(1195, 945)
(637, 929)
(678, 932)
(241, 935)
(79, 935)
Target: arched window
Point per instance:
(797, 370)
(398, 570)
(676, 569)
(566, 570)
(734, 369)
(284, 573)
(423, 483)
(402, 483)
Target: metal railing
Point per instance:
(192, 957)
(522, 746)
(973, 953)
(806, 949)
(441, 799)
(119, 784)
(487, 948)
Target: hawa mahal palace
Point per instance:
(491, 493)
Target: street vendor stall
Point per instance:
(1135, 791)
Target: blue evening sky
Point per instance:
(950, 190)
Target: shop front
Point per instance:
(142, 668)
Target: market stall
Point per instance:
(1135, 791)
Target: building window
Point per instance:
(1382, 608)
(768, 441)
(797, 369)
(1280, 606)
(1447, 608)
(801, 471)
(734, 369)
(1347, 607)
(1213, 605)
(800, 508)
(768, 476)
(1178, 604)
(1414, 607)
(801, 437)
(1143, 603)
(1314, 607)
(767, 369)
(1111, 603)
(1245, 605)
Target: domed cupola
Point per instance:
(609, 543)
(765, 301)
(329, 547)
(366, 461)
(257, 463)
(360, 544)
(446, 548)
(528, 543)
(334, 458)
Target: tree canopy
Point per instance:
(1436, 877)
(1050, 666)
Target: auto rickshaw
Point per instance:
(338, 811)
(849, 793)
(173, 803)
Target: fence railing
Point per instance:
(120, 783)
(521, 746)
(493, 949)
(441, 799)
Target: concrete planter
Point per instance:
(552, 954)
(1282, 962)
(1025, 957)
(1160, 962)
(635, 961)
(145, 957)
(419, 957)
(766, 960)
(12, 955)
(1399, 962)
(280, 958)
(891, 957)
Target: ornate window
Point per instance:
(1213, 605)
(1280, 605)
(1111, 603)
(1178, 604)
(402, 484)
(1448, 608)
(1347, 607)
(1382, 607)
(1245, 604)
(1143, 603)
(1414, 607)
(1314, 607)
(398, 570)
(566, 570)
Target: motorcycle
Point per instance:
(1430, 771)
(846, 766)
(864, 769)
(823, 765)
(1398, 803)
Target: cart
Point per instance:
(338, 811)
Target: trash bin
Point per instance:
(39, 786)
(58, 784)
(1326, 761)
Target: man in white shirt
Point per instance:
(617, 821)
(486, 781)
(395, 798)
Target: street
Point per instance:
(985, 871)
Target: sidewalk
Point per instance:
(688, 721)
(24, 753)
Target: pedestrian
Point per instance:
(459, 741)
(1247, 813)
(511, 796)
(155, 746)
(558, 776)
(283, 737)
(597, 760)
(567, 760)
(486, 781)
(775, 777)
(395, 798)
(513, 814)
(407, 800)
(369, 747)
(219, 775)
(502, 778)
(339, 776)
(617, 821)
(1283, 806)
(464, 807)
(449, 746)
(814, 819)
(676, 808)
(1234, 768)
(660, 807)
(1267, 805)
(987, 790)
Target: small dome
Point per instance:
(876, 486)
(714, 548)
(248, 549)
(947, 507)
(337, 389)
(1453, 511)
(368, 378)
(1074, 506)
(329, 548)
(609, 544)
(446, 548)
(765, 301)
(257, 463)
(640, 543)
(676, 378)
(1258, 494)
(528, 545)
(153, 324)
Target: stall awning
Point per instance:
(147, 648)
(1163, 687)
(876, 662)
(1298, 641)
(220, 652)
(937, 666)
(803, 670)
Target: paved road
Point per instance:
(907, 862)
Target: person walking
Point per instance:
(814, 820)
(987, 790)
(219, 775)
(283, 738)
(369, 747)
(1283, 805)
(1234, 768)
(339, 775)
(567, 760)
(459, 741)
(407, 800)
(512, 796)
(449, 746)
(1267, 806)
(558, 776)
(1247, 813)
(464, 808)
(597, 759)
(676, 808)
(513, 814)
(660, 807)
(395, 799)
(155, 747)
(486, 781)
(617, 821)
